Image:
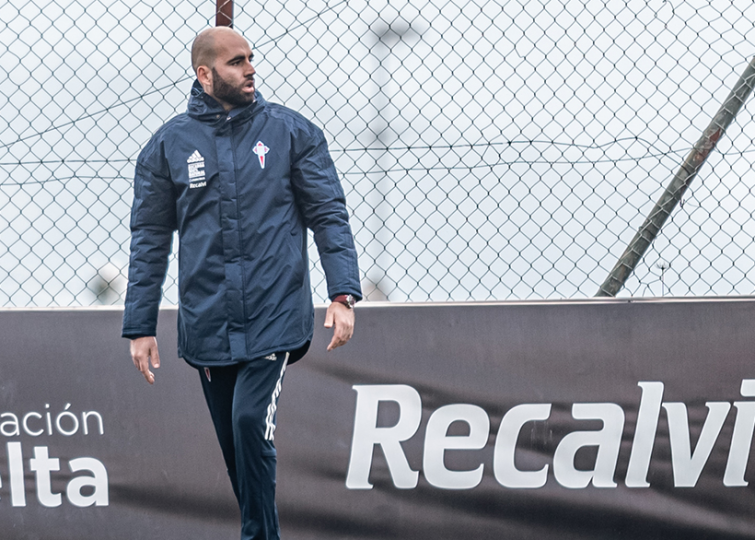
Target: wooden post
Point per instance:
(224, 13)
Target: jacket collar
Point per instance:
(206, 109)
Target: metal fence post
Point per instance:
(679, 184)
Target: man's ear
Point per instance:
(204, 75)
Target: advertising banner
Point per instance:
(590, 419)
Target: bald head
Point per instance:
(208, 43)
(222, 60)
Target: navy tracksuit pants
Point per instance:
(243, 400)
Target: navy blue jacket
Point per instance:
(241, 188)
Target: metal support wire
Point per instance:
(679, 184)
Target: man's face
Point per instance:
(233, 73)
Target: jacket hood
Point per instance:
(205, 108)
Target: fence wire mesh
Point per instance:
(488, 149)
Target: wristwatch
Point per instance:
(347, 300)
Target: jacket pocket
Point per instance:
(298, 260)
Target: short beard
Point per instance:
(224, 91)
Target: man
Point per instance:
(241, 180)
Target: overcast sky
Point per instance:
(489, 150)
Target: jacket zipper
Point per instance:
(240, 246)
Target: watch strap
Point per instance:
(347, 300)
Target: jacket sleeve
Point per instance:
(322, 203)
(153, 220)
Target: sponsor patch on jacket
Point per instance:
(196, 170)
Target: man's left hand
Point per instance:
(342, 318)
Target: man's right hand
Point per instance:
(143, 350)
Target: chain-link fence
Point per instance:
(488, 149)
